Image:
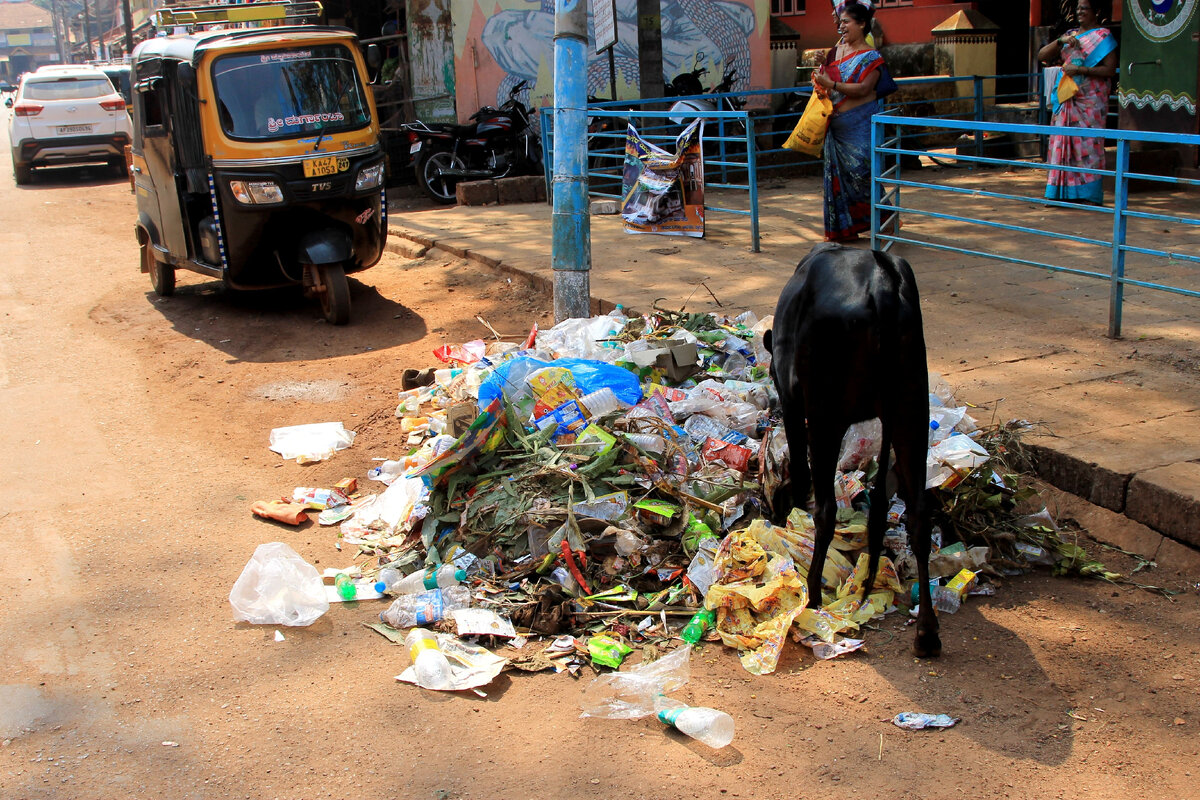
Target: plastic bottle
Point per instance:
(426, 608)
(714, 728)
(429, 662)
(946, 600)
(933, 431)
(387, 577)
(693, 632)
(345, 586)
(426, 580)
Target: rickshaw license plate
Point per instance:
(415, 148)
(330, 165)
(68, 130)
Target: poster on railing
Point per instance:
(663, 192)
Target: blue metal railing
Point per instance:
(888, 180)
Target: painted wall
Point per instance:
(1160, 96)
(499, 43)
(431, 59)
(903, 25)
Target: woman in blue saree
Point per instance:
(1088, 55)
(855, 77)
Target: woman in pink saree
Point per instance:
(1089, 58)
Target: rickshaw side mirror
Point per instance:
(8, 103)
(374, 57)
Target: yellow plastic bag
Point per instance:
(1067, 88)
(809, 133)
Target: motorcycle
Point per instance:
(497, 143)
(688, 83)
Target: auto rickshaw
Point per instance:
(256, 156)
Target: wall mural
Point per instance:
(499, 43)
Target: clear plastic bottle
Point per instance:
(409, 610)
(427, 580)
(946, 600)
(714, 728)
(429, 662)
(387, 576)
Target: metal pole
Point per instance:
(876, 170)
(87, 31)
(128, 26)
(1116, 292)
(56, 21)
(752, 179)
(571, 246)
(978, 118)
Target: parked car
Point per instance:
(67, 115)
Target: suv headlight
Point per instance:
(256, 192)
(369, 178)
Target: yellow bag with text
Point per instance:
(809, 133)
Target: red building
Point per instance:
(910, 22)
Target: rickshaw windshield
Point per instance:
(282, 94)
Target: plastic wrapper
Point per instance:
(915, 721)
(757, 596)
(606, 507)
(607, 651)
(952, 459)
(395, 510)
(590, 376)
(860, 444)
(636, 692)
(467, 353)
(731, 455)
(585, 338)
(278, 587)
(702, 572)
(313, 442)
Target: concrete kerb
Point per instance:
(1168, 535)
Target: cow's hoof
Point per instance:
(927, 645)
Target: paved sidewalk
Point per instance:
(1121, 418)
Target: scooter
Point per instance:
(498, 142)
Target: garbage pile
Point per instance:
(608, 482)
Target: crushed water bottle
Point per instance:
(426, 608)
(430, 664)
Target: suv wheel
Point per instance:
(22, 173)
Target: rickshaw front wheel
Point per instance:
(335, 297)
(162, 276)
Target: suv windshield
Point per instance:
(67, 88)
(282, 94)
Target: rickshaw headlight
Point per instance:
(369, 178)
(256, 192)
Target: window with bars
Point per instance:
(787, 8)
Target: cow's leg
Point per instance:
(796, 429)
(912, 446)
(877, 518)
(824, 443)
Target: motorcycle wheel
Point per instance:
(429, 175)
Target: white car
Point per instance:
(67, 115)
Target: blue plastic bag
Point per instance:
(589, 375)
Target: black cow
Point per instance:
(848, 346)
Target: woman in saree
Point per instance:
(855, 77)
(1089, 58)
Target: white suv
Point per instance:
(66, 115)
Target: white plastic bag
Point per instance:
(314, 442)
(635, 693)
(278, 587)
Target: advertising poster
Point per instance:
(663, 192)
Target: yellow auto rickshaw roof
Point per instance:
(192, 47)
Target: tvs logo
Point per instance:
(323, 186)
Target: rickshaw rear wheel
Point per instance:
(162, 276)
(335, 299)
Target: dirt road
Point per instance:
(134, 439)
